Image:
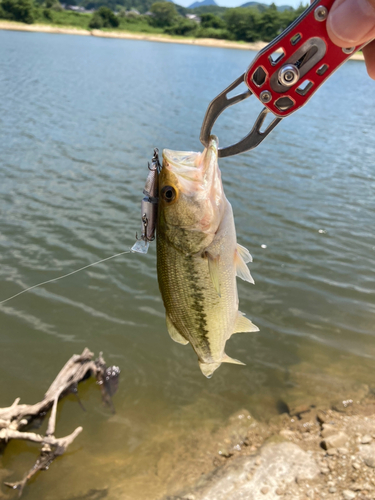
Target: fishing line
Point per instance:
(64, 276)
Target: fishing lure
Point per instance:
(149, 206)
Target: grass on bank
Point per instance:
(69, 19)
(65, 18)
(246, 24)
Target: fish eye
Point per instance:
(168, 193)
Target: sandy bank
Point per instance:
(204, 42)
(41, 28)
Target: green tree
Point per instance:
(183, 27)
(121, 11)
(103, 18)
(289, 15)
(164, 14)
(243, 24)
(47, 14)
(212, 21)
(220, 34)
(270, 24)
(17, 10)
(56, 6)
(96, 22)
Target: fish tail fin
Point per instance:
(227, 359)
(208, 368)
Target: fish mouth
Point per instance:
(194, 171)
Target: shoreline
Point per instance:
(308, 452)
(127, 35)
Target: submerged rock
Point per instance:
(348, 495)
(367, 452)
(335, 440)
(281, 465)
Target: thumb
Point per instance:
(351, 22)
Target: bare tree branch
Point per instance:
(15, 417)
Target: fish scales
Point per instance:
(191, 302)
(198, 257)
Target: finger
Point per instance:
(351, 22)
(369, 53)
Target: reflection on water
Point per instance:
(79, 119)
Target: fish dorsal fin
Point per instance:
(245, 254)
(242, 271)
(208, 368)
(174, 334)
(213, 268)
(243, 324)
(227, 359)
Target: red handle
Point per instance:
(304, 58)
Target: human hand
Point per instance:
(352, 22)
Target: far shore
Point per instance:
(127, 35)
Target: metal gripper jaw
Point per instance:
(284, 75)
(218, 105)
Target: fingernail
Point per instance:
(352, 20)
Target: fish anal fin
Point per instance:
(242, 270)
(213, 268)
(208, 368)
(227, 359)
(243, 324)
(174, 334)
(245, 254)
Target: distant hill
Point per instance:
(208, 9)
(203, 3)
(198, 7)
(141, 5)
(254, 4)
(262, 6)
(281, 8)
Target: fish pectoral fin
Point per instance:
(174, 334)
(243, 324)
(227, 359)
(208, 368)
(213, 268)
(242, 271)
(245, 254)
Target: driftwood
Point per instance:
(15, 418)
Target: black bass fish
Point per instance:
(198, 257)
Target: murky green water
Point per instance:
(79, 118)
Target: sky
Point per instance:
(236, 3)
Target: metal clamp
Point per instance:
(218, 105)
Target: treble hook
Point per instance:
(144, 229)
(155, 163)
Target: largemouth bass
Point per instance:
(198, 257)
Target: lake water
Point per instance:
(79, 119)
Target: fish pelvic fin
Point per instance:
(208, 368)
(174, 334)
(227, 359)
(242, 271)
(243, 324)
(213, 268)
